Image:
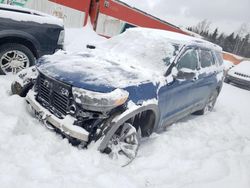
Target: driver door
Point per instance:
(175, 98)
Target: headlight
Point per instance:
(100, 102)
(61, 38)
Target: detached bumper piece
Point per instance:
(65, 125)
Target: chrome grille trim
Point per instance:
(50, 97)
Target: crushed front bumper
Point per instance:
(64, 125)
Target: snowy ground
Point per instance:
(200, 151)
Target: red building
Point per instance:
(108, 17)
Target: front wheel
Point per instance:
(15, 57)
(124, 144)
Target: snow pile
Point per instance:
(200, 151)
(76, 39)
(143, 48)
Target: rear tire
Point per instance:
(15, 57)
(209, 104)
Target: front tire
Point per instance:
(15, 57)
(124, 144)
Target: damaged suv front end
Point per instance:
(123, 90)
(74, 112)
(86, 108)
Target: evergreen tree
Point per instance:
(237, 43)
(229, 43)
(214, 35)
(221, 40)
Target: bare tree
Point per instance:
(202, 27)
(241, 39)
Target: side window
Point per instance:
(189, 60)
(206, 58)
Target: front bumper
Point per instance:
(238, 81)
(65, 125)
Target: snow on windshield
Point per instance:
(143, 48)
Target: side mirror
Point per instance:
(184, 74)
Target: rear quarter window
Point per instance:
(206, 58)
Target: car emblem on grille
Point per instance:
(46, 83)
(65, 92)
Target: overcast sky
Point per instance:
(227, 15)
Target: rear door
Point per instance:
(206, 82)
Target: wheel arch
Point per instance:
(151, 109)
(21, 38)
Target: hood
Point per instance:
(92, 72)
(24, 14)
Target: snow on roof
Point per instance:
(173, 36)
(25, 14)
(192, 33)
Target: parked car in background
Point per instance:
(128, 87)
(26, 35)
(239, 75)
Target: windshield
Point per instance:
(144, 49)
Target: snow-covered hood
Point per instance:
(94, 73)
(130, 59)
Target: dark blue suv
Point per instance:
(126, 88)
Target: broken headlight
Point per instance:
(100, 102)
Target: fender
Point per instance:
(120, 119)
(22, 35)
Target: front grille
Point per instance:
(53, 95)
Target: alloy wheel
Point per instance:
(124, 143)
(14, 61)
